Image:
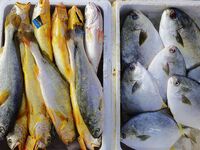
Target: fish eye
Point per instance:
(172, 14)
(9, 141)
(176, 83)
(172, 50)
(49, 139)
(132, 67)
(134, 16)
(97, 131)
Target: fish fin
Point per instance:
(36, 70)
(172, 148)
(142, 37)
(179, 39)
(4, 96)
(81, 143)
(23, 6)
(181, 130)
(185, 100)
(143, 137)
(166, 68)
(135, 86)
(185, 89)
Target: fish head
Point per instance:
(128, 132)
(172, 54)
(93, 13)
(16, 140)
(174, 19)
(22, 9)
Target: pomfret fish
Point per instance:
(177, 28)
(150, 131)
(55, 91)
(139, 91)
(166, 63)
(17, 137)
(139, 40)
(195, 73)
(184, 100)
(93, 34)
(11, 79)
(85, 88)
(41, 21)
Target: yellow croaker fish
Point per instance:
(17, 137)
(55, 91)
(85, 137)
(59, 30)
(39, 124)
(41, 21)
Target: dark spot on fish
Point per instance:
(176, 82)
(185, 89)
(172, 14)
(166, 68)
(132, 67)
(2, 131)
(143, 137)
(179, 39)
(123, 135)
(134, 16)
(142, 37)
(172, 49)
(135, 87)
(185, 100)
(9, 141)
(96, 132)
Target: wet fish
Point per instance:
(85, 88)
(59, 41)
(166, 63)
(17, 137)
(139, 91)
(93, 34)
(41, 21)
(55, 91)
(177, 28)
(195, 74)
(184, 100)
(11, 80)
(147, 128)
(139, 40)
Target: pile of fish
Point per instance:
(160, 84)
(48, 76)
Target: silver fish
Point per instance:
(177, 28)
(139, 91)
(11, 80)
(93, 34)
(184, 100)
(195, 74)
(166, 63)
(150, 131)
(139, 40)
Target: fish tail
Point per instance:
(24, 6)
(44, 3)
(60, 12)
(75, 18)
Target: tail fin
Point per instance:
(60, 12)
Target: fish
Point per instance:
(179, 29)
(184, 100)
(140, 41)
(59, 41)
(11, 79)
(166, 63)
(151, 127)
(16, 138)
(41, 21)
(94, 34)
(139, 91)
(54, 89)
(85, 88)
(194, 73)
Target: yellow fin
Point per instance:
(3, 96)
(75, 18)
(172, 148)
(164, 105)
(1, 50)
(181, 130)
(36, 70)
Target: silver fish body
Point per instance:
(139, 40)
(195, 74)
(88, 89)
(166, 63)
(11, 80)
(93, 34)
(177, 28)
(184, 100)
(139, 91)
(150, 131)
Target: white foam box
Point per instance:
(153, 9)
(104, 73)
